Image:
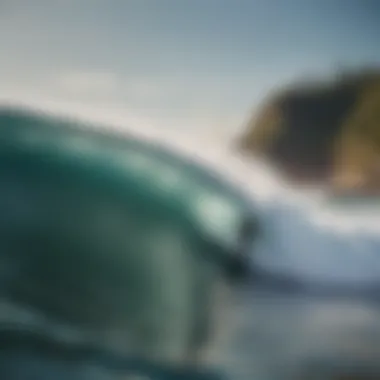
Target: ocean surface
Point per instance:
(323, 244)
(286, 334)
(306, 237)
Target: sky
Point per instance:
(191, 65)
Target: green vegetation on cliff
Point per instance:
(322, 132)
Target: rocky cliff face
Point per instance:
(324, 133)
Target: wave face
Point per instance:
(280, 334)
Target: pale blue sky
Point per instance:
(178, 63)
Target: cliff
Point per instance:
(322, 132)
